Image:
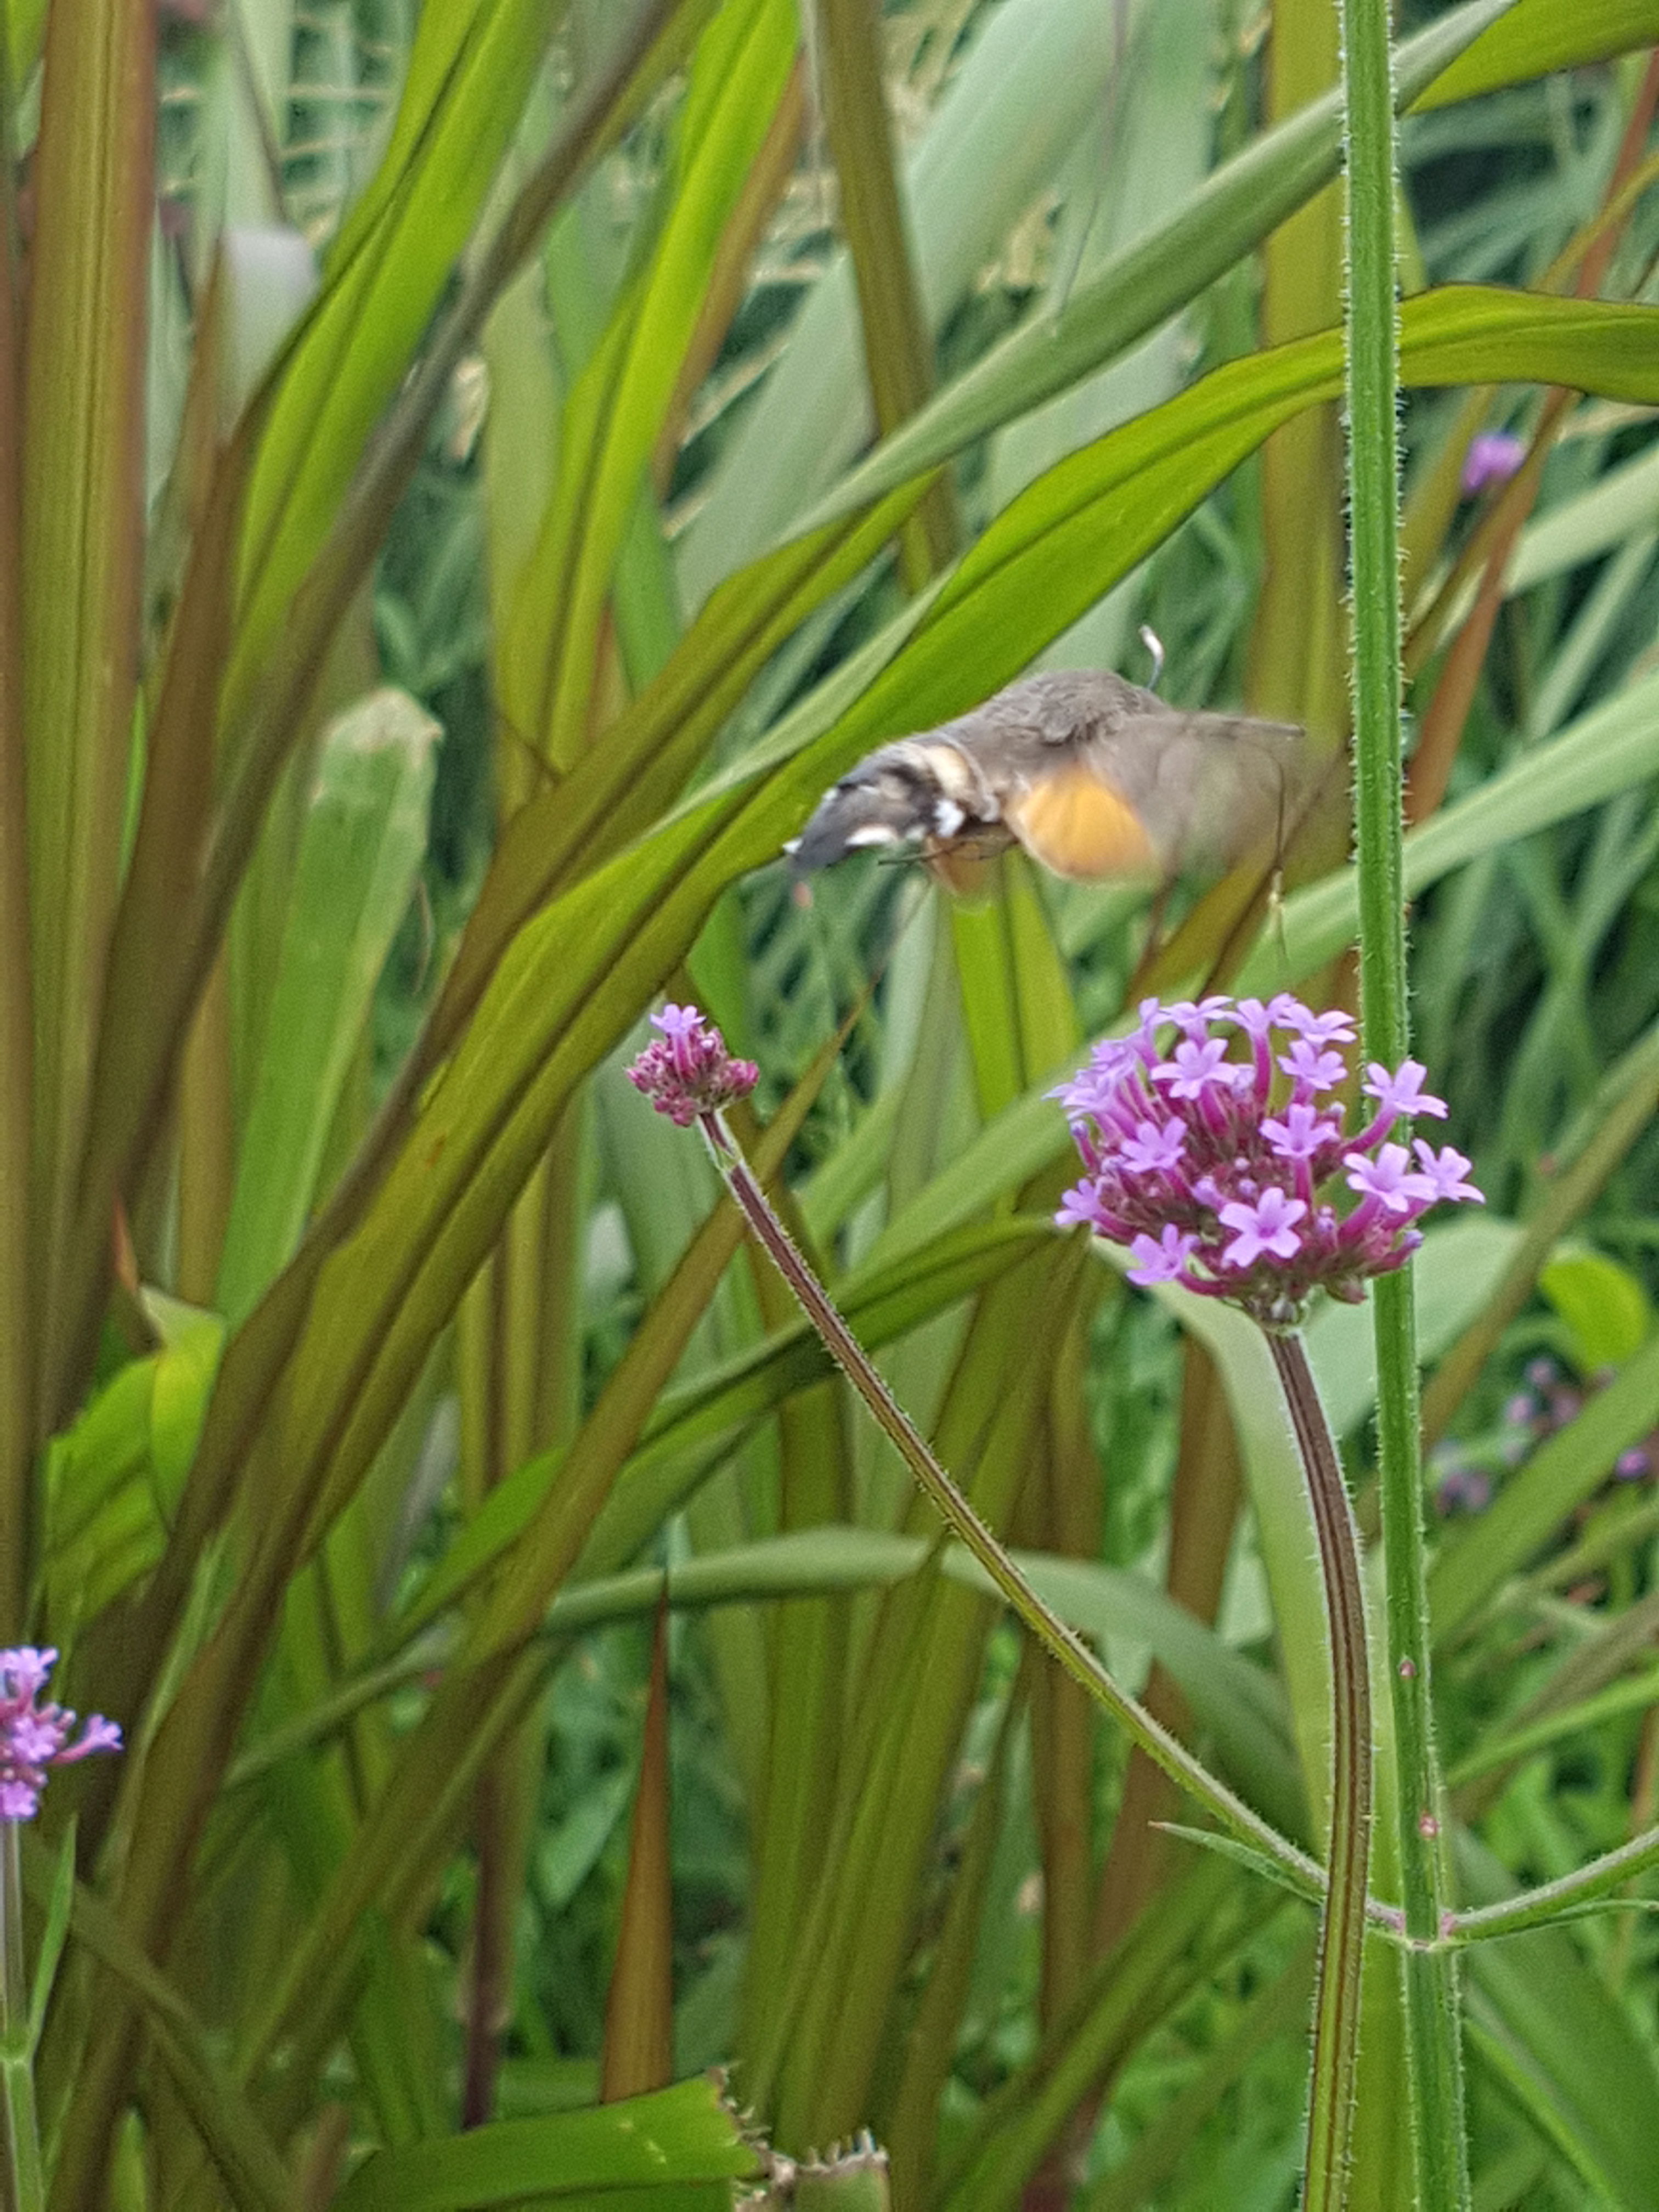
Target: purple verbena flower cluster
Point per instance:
(1237, 1177)
(36, 1736)
(686, 1071)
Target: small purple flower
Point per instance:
(1333, 1027)
(1634, 1465)
(1192, 1068)
(1193, 1016)
(1083, 1204)
(36, 1736)
(1492, 459)
(1303, 1134)
(1267, 1226)
(1155, 1148)
(686, 1071)
(1161, 1259)
(1401, 1094)
(1209, 1155)
(1310, 1068)
(1444, 1171)
(1388, 1178)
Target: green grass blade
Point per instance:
(471, 63)
(614, 413)
(682, 2148)
(1536, 37)
(364, 838)
(81, 552)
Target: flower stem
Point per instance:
(24, 2185)
(1342, 1935)
(1433, 2040)
(1166, 1750)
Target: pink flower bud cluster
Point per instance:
(1214, 1151)
(687, 1071)
(34, 1736)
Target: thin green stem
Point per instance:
(1069, 1650)
(1433, 2041)
(1551, 1900)
(24, 2183)
(1342, 1932)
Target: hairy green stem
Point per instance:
(1555, 1900)
(1069, 1650)
(1433, 2042)
(1342, 1931)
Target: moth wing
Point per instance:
(1080, 826)
(1207, 788)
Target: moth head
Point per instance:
(905, 794)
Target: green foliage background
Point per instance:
(470, 477)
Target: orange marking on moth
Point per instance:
(1080, 827)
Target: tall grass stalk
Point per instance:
(1432, 2039)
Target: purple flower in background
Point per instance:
(686, 1071)
(1221, 1166)
(1491, 459)
(34, 1736)
(1463, 1489)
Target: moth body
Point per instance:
(1095, 777)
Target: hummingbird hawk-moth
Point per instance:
(1093, 776)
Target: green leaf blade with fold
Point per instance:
(80, 554)
(614, 414)
(360, 855)
(680, 2149)
(472, 63)
(1537, 37)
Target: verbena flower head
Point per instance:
(1213, 1150)
(687, 1071)
(34, 1736)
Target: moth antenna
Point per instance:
(1154, 645)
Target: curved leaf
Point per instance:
(1537, 37)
